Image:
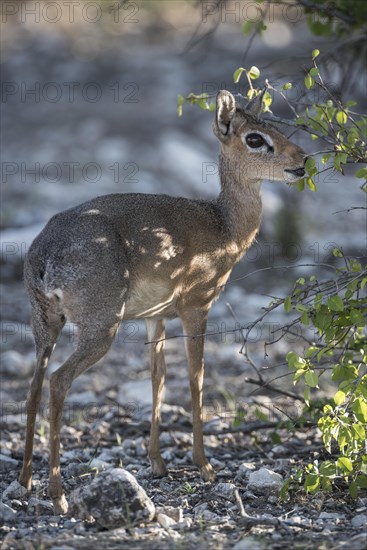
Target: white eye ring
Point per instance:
(265, 148)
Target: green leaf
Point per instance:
(337, 252)
(288, 304)
(359, 431)
(326, 484)
(310, 166)
(320, 28)
(339, 397)
(306, 395)
(254, 73)
(344, 372)
(284, 491)
(301, 307)
(325, 158)
(287, 86)
(247, 27)
(335, 303)
(345, 464)
(251, 93)
(295, 361)
(311, 378)
(275, 438)
(328, 468)
(344, 437)
(261, 415)
(310, 351)
(353, 489)
(311, 184)
(339, 159)
(314, 71)
(267, 101)
(341, 118)
(237, 74)
(180, 102)
(357, 318)
(315, 53)
(304, 319)
(361, 173)
(309, 82)
(291, 357)
(322, 319)
(362, 481)
(300, 185)
(359, 408)
(312, 483)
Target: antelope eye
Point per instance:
(255, 141)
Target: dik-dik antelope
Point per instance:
(152, 257)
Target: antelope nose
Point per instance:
(299, 172)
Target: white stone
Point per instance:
(200, 509)
(186, 523)
(332, 516)
(360, 521)
(98, 464)
(165, 521)
(14, 491)
(246, 468)
(279, 450)
(225, 490)
(7, 463)
(7, 513)
(107, 455)
(217, 464)
(207, 515)
(114, 498)
(298, 520)
(70, 456)
(265, 481)
(39, 507)
(174, 513)
(140, 447)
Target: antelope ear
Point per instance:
(226, 108)
(254, 106)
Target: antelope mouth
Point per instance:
(295, 174)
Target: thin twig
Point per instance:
(267, 384)
(350, 209)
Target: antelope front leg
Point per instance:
(55, 490)
(156, 331)
(194, 324)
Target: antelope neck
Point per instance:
(239, 203)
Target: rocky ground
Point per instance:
(105, 435)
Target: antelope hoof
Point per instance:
(60, 505)
(207, 473)
(159, 468)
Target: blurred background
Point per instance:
(89, 107)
